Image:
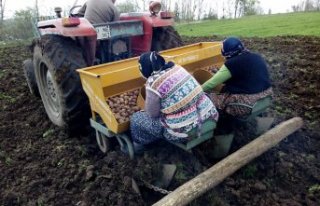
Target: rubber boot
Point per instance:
(222, 145)
(137, 148)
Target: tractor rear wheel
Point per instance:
(165, 38)
(56, 59)
(28, 70)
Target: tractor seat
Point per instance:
(206, 133)
(258, 108)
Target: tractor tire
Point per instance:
(165, 38)
(28, 71)
(56, 59)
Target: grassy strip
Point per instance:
(303, 23)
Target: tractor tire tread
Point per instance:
(62, 56)
(28, 70)
(165, 38)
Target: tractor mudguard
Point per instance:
(143, 43)
(84, 32)
(55, 26)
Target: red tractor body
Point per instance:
(55, 26)
(67, 44)
(143, 43)
(140, 38)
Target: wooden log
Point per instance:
(217, 173)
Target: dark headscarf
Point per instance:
(232, 46)
(152, 62)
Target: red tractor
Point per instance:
(67, 44)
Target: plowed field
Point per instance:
(41, 164)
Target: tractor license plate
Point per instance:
(103, 32)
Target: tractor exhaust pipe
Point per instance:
(58, 11)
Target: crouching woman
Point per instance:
(175, 103)
(245, 76)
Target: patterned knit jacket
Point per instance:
(183, 103)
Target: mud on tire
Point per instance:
(56, 59)
(28, 70)
(165, 38)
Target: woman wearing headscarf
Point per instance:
(175, 103)
(246, 78)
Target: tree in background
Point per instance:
(298, 7)
(24, 19)
(144, 2)
(251, 7)
(128, 6)
(317, 5)
(2, 9)
(307, 5)
(176, 12)
(228, 9)
(246, 8)
(191, 10)
(237, 4)
(166, 5)
(36, 8)
(20, 27)
(200, 9)
(211, 15)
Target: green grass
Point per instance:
(304, 23)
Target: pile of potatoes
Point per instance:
(212, 69)
(124, 105)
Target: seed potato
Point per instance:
(124, 105)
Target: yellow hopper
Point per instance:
(104, 81)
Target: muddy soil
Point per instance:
(41, 164)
